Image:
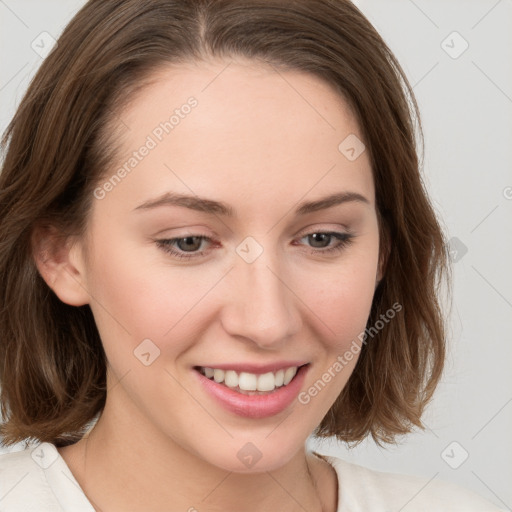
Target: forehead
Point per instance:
(238, 130)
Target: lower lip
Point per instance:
(255, 406)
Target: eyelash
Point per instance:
(345, 239)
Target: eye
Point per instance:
(192, 246)
(188, 244)
(321, 241)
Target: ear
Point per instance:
(384, 250)
(59, 259)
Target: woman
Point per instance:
(216, 242)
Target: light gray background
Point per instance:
(466, 104)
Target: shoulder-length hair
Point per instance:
(53, 367)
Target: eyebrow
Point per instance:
(219, 208)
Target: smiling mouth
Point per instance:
(248, 383)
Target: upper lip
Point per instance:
(255, 368)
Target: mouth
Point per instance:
(260, 393)
(247, 383)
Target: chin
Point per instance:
(257, 456)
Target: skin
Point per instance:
(261, 141)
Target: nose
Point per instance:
(260, 305)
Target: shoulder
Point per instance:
(361, 489)
(23, 483)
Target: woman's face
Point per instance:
(237, 275)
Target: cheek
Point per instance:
(341, 301)
(341, 295)
(135, 299)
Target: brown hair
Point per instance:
(53, 371)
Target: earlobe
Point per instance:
(59, 261)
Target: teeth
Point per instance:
(250, 381)
(289, 374)
(231, 379)
(279, 379)
(247, 381)
(266, 382)
(218, 375)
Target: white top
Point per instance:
(38, 479)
